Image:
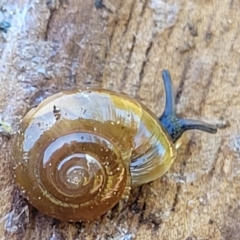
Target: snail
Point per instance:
(80, 152)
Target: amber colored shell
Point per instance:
(80, 152)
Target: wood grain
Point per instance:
(124, 45)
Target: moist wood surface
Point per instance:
(124, 45)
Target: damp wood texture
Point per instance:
(123, 45)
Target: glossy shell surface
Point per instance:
(81, 151)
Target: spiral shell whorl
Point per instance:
(71, 168)
(77, 167)
(76, 180)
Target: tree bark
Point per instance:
(124, 45)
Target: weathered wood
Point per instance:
(124, 45)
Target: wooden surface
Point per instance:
(124, 45)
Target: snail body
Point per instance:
(79, 152)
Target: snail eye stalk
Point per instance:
(175, 125)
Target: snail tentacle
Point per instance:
(174, 125)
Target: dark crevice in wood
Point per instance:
(231, 3)
(209, 34)
(79, 226)
(129, 17)
(110, 39)
(55, 222)
(216, 157)
(182, 81)
(186, 153)
(207, 88)
(127, 63)
(141, 74)
(144, 8)
(181, 172)
(156, 223)
(141, 218)
(55, 230)
(52, 12)
(192, 29)
(113, 31)
(134, 206)
(170, 31)
(175, 200)
(16, 218)
(131, 50)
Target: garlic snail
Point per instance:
(79, 152)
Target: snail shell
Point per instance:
(79, 152)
